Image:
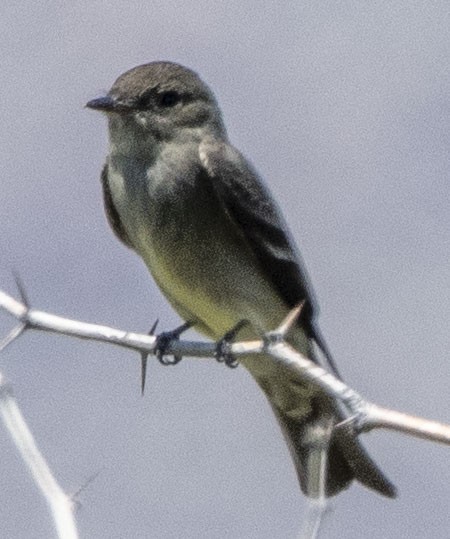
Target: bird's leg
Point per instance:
(223, 346)
(163, 341)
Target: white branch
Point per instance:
(378, 417)
(60, 504)
(360, 414)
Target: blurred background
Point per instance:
(343, 107)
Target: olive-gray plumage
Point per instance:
(179, 194)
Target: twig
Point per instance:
(60, 504)
(361, 415)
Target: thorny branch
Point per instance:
(61, 506)
(361, 415)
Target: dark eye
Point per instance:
(169, 99)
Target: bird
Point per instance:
(180, 195)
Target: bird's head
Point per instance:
(160, 101)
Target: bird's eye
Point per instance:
(169, 99)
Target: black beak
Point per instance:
(108, 104)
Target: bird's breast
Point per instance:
(193, 249)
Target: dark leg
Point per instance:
(223, 346)
(162, 343)
(164, 340)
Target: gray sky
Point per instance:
(344, 109)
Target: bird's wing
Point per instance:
(252, 208)
(111, 212)
(257, 217)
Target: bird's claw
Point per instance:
(223, 347)
(223, 354)
(163, 341)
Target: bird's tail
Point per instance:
(327, 464)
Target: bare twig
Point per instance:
(378, 417)
(360, 414)
(60, 504)
(317, 510)
(12, 335)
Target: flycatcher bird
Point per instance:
(189, 203)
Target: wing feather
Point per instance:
(253, 209)
(111, 212)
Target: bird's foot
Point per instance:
(223, 346)
(163, 341)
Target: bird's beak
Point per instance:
(108, 104)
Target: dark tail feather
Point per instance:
(347, 458)
(329, 467)
(363, 467)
